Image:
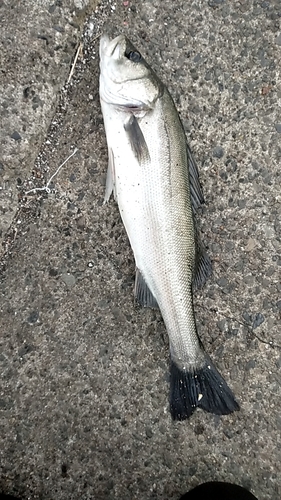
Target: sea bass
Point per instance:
(155, 182)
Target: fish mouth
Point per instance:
(109, 47)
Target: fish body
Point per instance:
(156, 185)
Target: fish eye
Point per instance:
(134, 56)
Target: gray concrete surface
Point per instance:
(37, 44)
(84, 372)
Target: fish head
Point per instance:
(126, 80)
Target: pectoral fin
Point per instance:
(110, 178)
(196, 194)
(136, 139)
(142, 293)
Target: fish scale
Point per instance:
(156, 185)
(157, 231)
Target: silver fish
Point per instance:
(155, 182)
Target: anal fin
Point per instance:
(142, 293)
(203, 267)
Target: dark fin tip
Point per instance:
(204, 388)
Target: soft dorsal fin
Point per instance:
(142, 293)
(203, 265)
(196, 194)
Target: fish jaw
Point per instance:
(108, 47)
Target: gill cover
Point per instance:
(126, 80)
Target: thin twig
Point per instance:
(80, 46)
(96, 37)
(271, 343)
(46, 188)
(79, 49)
(250, 330)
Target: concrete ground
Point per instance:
(84, 372)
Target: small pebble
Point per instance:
(218, 152)
(258, 320)
(16, 136)
(148, 432)
(58, 28)
(250, 364)
(278, 362)
(247, 317)
(222, 324)
(33, 317)
(251, 244)
(222, 282)
(68, 279)
(278, 39)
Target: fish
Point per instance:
(155, 181)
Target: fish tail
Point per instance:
(199, 388)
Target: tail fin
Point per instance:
(203, 388)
